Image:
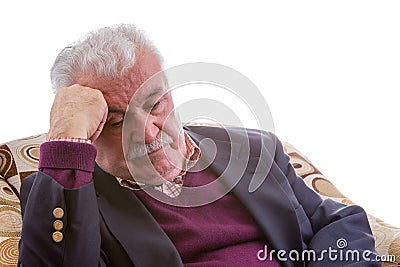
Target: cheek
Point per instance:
(109, 145)
(169, 122)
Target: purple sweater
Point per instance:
(221, 233)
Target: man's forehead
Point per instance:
(144, 79)
(119, 103)
(144, 75)
(146, 94)
(147, 65)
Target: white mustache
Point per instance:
(137, 150)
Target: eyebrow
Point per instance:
(154, 92)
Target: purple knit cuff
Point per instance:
(67, 155)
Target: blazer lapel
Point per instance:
(132, 225)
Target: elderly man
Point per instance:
(117, 173)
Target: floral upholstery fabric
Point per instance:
(19, 158)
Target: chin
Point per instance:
(157, 173)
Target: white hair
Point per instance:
(106, 53)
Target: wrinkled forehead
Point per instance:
(149, 84)
(143, 79)
(145, 74)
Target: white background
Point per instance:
(328, 70)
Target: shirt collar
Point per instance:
(170, 188)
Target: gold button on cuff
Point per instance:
(58, 213)
(58, 225)
(57, 236)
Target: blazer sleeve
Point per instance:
(75, 240)
(332, 223)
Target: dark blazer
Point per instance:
(100, 217)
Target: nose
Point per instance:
(141, 128)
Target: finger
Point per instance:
(100, 127)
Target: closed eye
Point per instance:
(117, 124)
(155, 105)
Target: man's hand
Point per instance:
(78, 111)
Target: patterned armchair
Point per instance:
(19, 158)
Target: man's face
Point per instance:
(147, 114)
